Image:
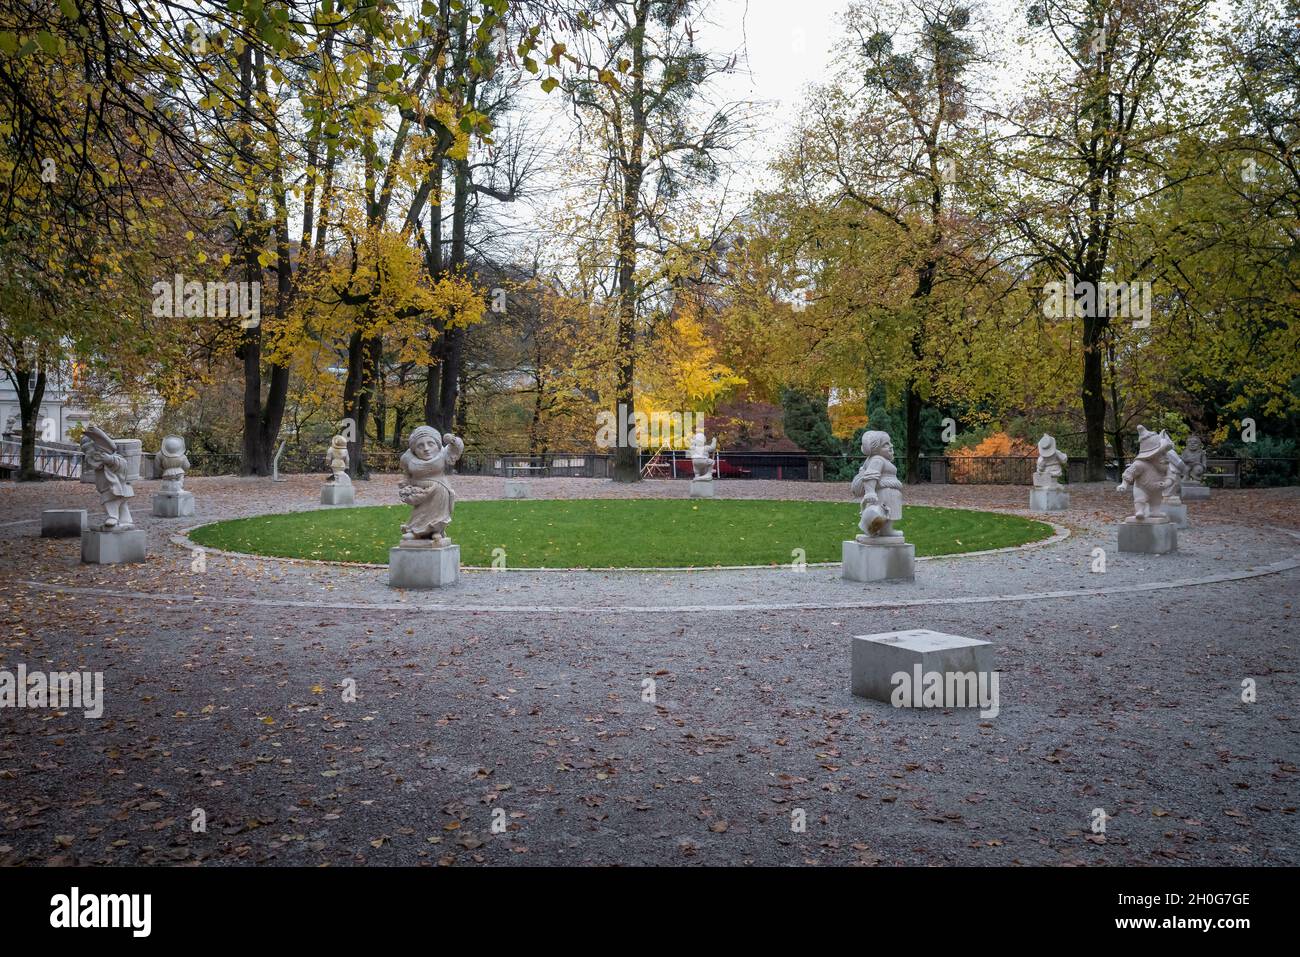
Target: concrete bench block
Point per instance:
(63, 522)
(331, 494)
(1195, 493)
(702, 488)
(886, 562)
(113, 546)
(173, 504)
(517, 489)
(423, 566)
(1049, 500)
(1148, 538)
(879, 660)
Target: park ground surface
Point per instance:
(522, 691)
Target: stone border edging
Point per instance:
(1261, 571)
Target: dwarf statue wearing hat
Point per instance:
(1194, 460)
(878, 485)
(1148, 475)
(336, 460)
(701, 453)
(1177, 470)
(100, 455)
(173, 462)
(1051, 462)
(424, 485)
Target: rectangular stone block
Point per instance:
(1148, 538)
(422, 566)
(702, 488)
(878, 659)
(173, 504)
(1195, 493)
(331, 494)
(878, 563)
(1177, 514)
(63, 522)
(113, 546)
(1053, 499)
(517, 489)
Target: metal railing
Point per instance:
(51, 460)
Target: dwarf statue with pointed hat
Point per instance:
(1147, 476)
(100, 455)
(424, 485)
(1050, 464)
(1177, 471)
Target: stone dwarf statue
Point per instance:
(424, 485)
(336, 460)
(100, 455)
(879, 488)
(1050, 465)
(701, 453)
(1173, 494)
(1148, 476)
(172, 462)
(1194, 462)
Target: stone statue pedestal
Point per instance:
(332, 493)
(63, 522)
(421, 564)
(1049, 498)
(170, 504)
(701, 488)
(516, 488)
(876, 659)
(1195, 493)
(1152, 537)
(113, 546)
(883, 560)
(1177, 514)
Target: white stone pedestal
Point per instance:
(701, 488)
(1177, 514)
(1195, 493)
(877, 659)
(891, 560)
(517, 488)
(423, 565)
(337, 494)
(173, 504)
(1049, 499)
(1148, 538)
(113, 546)
(63, 522)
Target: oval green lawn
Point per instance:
(617, 533)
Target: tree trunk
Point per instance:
(1094, 397)
(29, 406)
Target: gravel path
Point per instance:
(1129, 701)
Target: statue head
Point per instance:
(1152, 446)
(877, 443)
(1047, 446)
(173, 445)
(338, 442)
(424, 442)
(1193, 443)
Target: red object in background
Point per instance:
(684, 469)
